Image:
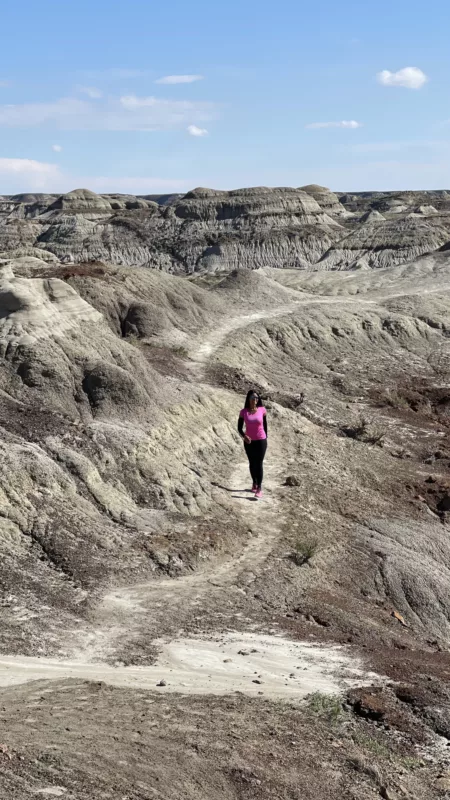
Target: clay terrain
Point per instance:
(163, 634)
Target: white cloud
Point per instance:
(63, 112)
(195, 131)
(56, 148)
(131, 102)
(90, 91)
(351, 123)
(128, 113)
(25, 173)
(172, 79)
(408, 77)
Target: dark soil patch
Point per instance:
(380, 705)
(435, 492)
(89, 269)
(31, 422)
(232, 379)
(421, 396)
(166, 360)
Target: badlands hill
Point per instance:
(206, 229)
(162, 634)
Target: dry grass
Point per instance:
(134, 339)
(364, 430)
(328, 706)
(180, 350)
(304, 550)
(371, 745)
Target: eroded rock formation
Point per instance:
(211, 230)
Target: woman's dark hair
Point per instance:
(247, 399)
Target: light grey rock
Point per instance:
(208, 230)
(388, 242)
(326, 199)
(372, 216)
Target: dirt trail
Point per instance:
(202, 350)
(124, 611)
(201, 353)
(121, 609)
(248, 663)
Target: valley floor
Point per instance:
(293, 647)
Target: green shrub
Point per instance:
(303, 551)
(181, 351)
(328, 706)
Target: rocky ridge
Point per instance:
(208, 230)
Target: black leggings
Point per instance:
(256, 451)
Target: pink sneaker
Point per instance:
(258, 493)
(254, 488)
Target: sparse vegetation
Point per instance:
(341, 384)
(371, 745)
(356, 431)
(423, 396)
(401, 453)
(364, 430)
(410, 762)
(134, 339)
(365, 766)
(304, 550)
(393, 398)
(180, 350)
(328, 706)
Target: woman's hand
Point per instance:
(247, 439)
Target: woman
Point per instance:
(255, 437)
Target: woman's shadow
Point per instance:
(239, 494)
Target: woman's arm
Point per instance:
(265, 424)
(241, 427)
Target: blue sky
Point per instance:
(255, 93)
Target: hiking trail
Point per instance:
(123, 611)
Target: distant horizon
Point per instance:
(214, 188)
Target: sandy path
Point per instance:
(201, 350)
(122, 611)
(247, 663)
(207, 665)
